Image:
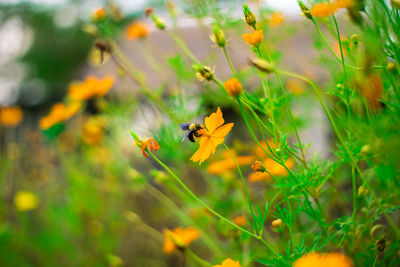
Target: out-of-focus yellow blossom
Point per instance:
(227, 163)
(254, 38)
(271, 168)
(99, 14)
(228, 263)
(276, 19)
(314, 259)
(179, 238)
(93, 131)
(25, 201)
(344, 3)
(372, 90)
(136, 30)
(59, 113)
(11, 116)
(91, 87)
(233, 87)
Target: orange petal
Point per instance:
(214, 120)
(205, 150)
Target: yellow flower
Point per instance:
(344, 3)
(99, 14)
(254, 38)
(211, 136)
(25, 201)
(179, 238)
(229, 263)
(226, 164)
(295, 86)
(93, 131)
(11, 116)
(136, 30)
(314, 259)
(91, 87)
(323, 9)
(59, 113)
(233, 87)
(276, 19)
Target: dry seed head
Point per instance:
(258, 166)
(203, 73)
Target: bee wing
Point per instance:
(187, 135)
(184, 126)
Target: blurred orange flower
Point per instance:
(372, 90)
(314, 259)
(179, 238)
(211, 136)
(91, 87)
(99, 14)
(344, 3)
(228, 263)
(59, 113)
(227, 163)
(276, 19)
(11, 116)
(240, 220)
(254, 38)
(233, 87)
(136, 30)
(323, 9)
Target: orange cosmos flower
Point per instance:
(179, 238)
(99, 14)
(240, 220)
(151, 145)
(11, 116)
(211, 136)
(254, 38)
(276, 19)
(59, 113)
(323, 9)
(136, 30)
(344, 3)
(271, 168)
(314, 259)
(91, 87)
(233, 87)
(229, 263)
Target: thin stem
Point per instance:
(229, 61)
(242, 178)
(179, 181)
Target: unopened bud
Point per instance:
(262, 65)
(305, 10)
(366, 149)
(276, 224)
(391, 67)
(249, 16)
(218, 36)
(258, 166)
(362, 191)
(233, 87)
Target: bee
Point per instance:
(193, 130)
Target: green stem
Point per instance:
(229, 61)
(179, 181)
(341, 140)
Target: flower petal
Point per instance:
(205, 150)
(214, 121)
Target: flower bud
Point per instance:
(262, 65)
(366, 149)
(276, 224)
(203, 73)
(249, 16)
(258, 166)
(233, 87)
(391, 67)
(362, 191)
(218, 36)
(99, 14)
(305, 10)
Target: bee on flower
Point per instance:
(194, 129)
(212, 135)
